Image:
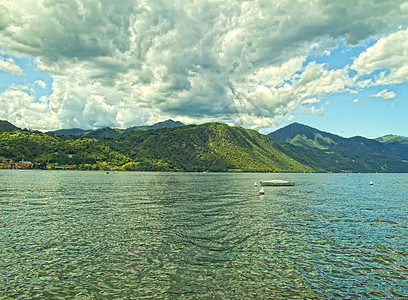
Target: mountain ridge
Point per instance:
(108, 132)
(334, 153)
(205, 147)
(309, 137)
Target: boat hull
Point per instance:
(277, 183)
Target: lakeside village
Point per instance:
(23, 164)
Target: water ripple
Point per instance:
(189, 236)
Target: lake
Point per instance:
(127, 235)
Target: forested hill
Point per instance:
(210, 146)
(308, 137)
(334, 153)
(206, 147)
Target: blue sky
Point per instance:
(341, 67)
(349, 114)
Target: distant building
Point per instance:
(24, 164)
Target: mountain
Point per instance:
(108, 132)
(395, 143)
(6, 126)
(205, 147)
(210, 146)
(308, 137)
(101, 133)
(305, 136)
(390, 138)
(73, 131)
(165, 124)
(334, 153)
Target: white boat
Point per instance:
(261, 192)
(277, 183)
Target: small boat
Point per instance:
(255, 184)
(371, 182)
(277, 183)
(261, 192)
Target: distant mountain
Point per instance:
(6, 126)
(165, 124)
(305, 136)
(108, 132)
(334, 153)
(396, 143)
(73, 131)
(308, 137)
(96, 134)
(390, 138)
(101, 133)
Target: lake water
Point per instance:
(68, 234)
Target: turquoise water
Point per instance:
(68, 234)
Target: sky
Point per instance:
(338, 66)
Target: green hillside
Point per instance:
(396, 144)
(346, 161)
(211, 146)
(390, 138)
(207, 147)
(306, 136)
(42, 148)
(333, 153)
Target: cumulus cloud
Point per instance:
(311, 101)
(390, 55)
(130, 62)
(9, 65)
(40, 83)
(291, 118)
(24, 110)
(385, 94)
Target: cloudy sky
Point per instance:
(340, 66)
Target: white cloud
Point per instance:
(389, 53)
(291, 118)
(19, 107)
(130, 62)
(274, 75)
(385, 94)
(311, 101)
(40, 83)
(9, 65)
